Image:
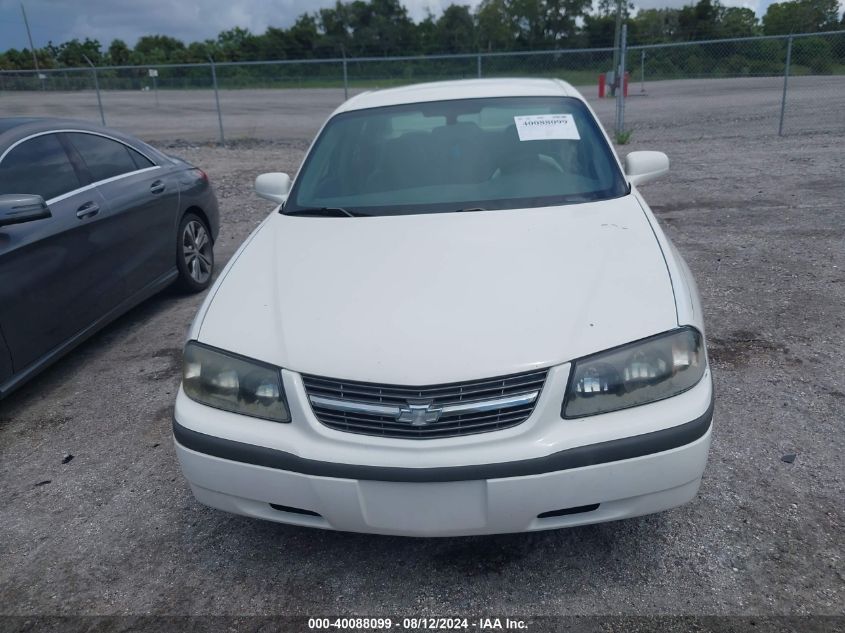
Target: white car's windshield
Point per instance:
(494, 153)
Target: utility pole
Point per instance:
(617, 34)
(31, 47)
(785, 81)
(97, 88)
(620, 95)
(217, 100)
(345, 74)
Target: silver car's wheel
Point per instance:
(196, 250)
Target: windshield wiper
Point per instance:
(336, 211)
(468, 210)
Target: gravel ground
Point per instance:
(760, 220)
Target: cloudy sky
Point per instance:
(60, 20)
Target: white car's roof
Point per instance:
(461, 89)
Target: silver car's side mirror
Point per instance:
(642, 167)
(17, 208)
(274, 187)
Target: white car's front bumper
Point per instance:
(545, 473)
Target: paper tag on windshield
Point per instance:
(541, 127)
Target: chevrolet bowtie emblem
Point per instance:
(420, 414)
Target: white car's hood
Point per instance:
(427, 299)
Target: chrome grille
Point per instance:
(449, 410)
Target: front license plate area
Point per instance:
(424, 508)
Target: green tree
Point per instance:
(496, 31)
(455, 31)
(119, 53)
(654, 26)
(427, 34)
(13, 59)
(530, 20)
(381, 27)
(302, 38)
(598, 31)
(814, 52)
(801, 16)
(237, 45)
(562, 18)
(157, 49)
(738, 22)
(699, 21)
(599, 27)
(198, 52)
(334, 23)
(274, 44)
(73, 53)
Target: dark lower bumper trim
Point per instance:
(601, 453)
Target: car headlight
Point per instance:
(638, 373)
(233, 383)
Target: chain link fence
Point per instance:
(765, 85)
(788, 84)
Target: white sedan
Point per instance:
(463, 318)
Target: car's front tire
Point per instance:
(194, 254)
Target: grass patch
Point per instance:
(623, 136)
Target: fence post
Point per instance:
(97, 88)
(785, 81)
(620, 94)
(642, 71)
(478, 64)
(217, 101)
(345, 74)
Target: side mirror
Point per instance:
(17, 208)
(273, 187)
(642, 167)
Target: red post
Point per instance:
(601, 86)
(625, 86)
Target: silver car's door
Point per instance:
(144, 200)
(5, 361)
(52, 282)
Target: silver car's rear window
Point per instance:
(494, 153)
